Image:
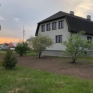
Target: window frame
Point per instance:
(48, 27)
(89, 38)
(59, 40)
(55, 25)
(62, 24)
(42, 29)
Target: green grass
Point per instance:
(2, 52)
(25, 80)
(30, 53)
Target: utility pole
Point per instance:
(23, 33)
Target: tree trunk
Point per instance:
(74, 61)
(21, 54)
(39, 54)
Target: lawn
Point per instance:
(27, 80)
(31, 53)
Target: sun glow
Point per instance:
(8, 40)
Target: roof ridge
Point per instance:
(78, 17)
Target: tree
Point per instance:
(40, 43)
(21, 48)
(76, 46)
(9, 61)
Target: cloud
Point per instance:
(16, 19)
(2, 18)
(83, 8)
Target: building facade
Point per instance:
(59, 26)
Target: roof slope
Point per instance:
(55, 16)
(75, 23)
(11, 45)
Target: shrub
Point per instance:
(9, 60)
(21, 48)
(77, 47)
(1, 62)
(41, 43)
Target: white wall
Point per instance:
(84, 37)
(52, 33)
(3, 46)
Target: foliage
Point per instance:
(21, 48)
(40, 43)
(9, 60)
(77, 47)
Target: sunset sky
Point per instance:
(14, 14)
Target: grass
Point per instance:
(25, 80)
(31, 53)
(2, 52)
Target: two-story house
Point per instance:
(59, 26)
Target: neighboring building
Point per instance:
(4, 46)
(29, 43)
(7, 45)
(59, 26)
(11, 46)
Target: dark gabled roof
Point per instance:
(58, 15)
(75, 23)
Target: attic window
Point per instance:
(54, 26)
(43, 28)
(48, 27)
(61, 23)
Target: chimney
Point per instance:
(71, 12)
(88, 17)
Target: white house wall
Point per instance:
(84, 37)
(52, 33)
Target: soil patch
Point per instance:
(81, 69)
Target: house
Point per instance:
(59, 26)
(4, 46)
(7, 45)
(29, 42)
(11, 46)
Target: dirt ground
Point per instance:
(81, 69)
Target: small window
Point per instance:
(54, 26)
(43, 28)
(59, 39)
(61, 24)
(89, 38)
(48, 27)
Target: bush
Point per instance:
(21, 48)
(41, 43)
(1, 62)
(9, 60)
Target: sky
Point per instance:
(14, 14)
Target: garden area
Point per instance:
(47, 75)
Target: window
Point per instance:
(54, 26)
(43, 28)
(89, 38)
(48, 27)
(59, 39)
(61, 23)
